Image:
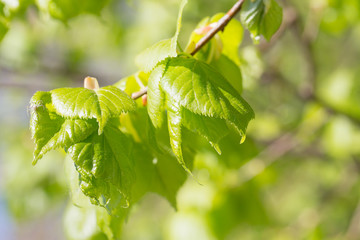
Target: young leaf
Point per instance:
(67, 9)
(110, 225)
(261, 17)
(192, 90)
(151, 56)
(51, 131)
(231, 38)
(106, 171)
(102, 104)
(156, 103)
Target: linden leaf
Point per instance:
(64, 10)
(51, 131)
(83, 103)
(106, 171)
(198, 97)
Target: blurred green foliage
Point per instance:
(295, 177)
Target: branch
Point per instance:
(140, 93)
(221, 24)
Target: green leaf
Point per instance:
(213, 129)
(106, 171)
(261, 17)
(102, 224)
(102, 161)
(159, 173)
(151, 56)
(64, 10)
(50, 131)
(156, 103)
(156, 166)
(192, 91)
(3, 28)
(102, 104)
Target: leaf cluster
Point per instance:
(121, 148)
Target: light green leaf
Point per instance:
(261, 17)
(66, 9)
(209, 51)
(50, 131)
(102, 104)
(106, 171)
(201, 89)
(194, 90)
(102, 223)
(174, 114)
(156, 97)
(151, 56)
(231, 38)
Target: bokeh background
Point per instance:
(295, 177)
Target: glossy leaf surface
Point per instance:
(102, 104)
(192, 91)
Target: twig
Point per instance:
(138, 94)
(221, 24)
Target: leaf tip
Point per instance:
(243, 138)
(35, 160)
(216, 147)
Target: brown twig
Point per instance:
(221, 24)
(140, 93)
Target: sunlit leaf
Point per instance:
(102, 104)
(67, 9)
(231, 38)
(105, 168)
(50, 131)
(193, 86)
